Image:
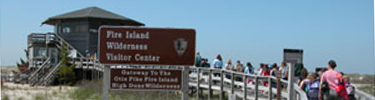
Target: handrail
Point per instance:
(70, 46)
(55, 68)
(33, 79)
(89, 62)
(232, 82)
(42, 66)
(363, 95)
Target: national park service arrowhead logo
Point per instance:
(180, 46)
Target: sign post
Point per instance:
(146, 46)
(185, 84)
(106, 82)
(292, 57)
(291, 81)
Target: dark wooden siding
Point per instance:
(79, 41)
(88, 40)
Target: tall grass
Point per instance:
(4, 97)
(39, 97)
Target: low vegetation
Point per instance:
(4, 97)
(367, 80)
(40, 97)
(368, 89)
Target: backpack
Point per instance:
(341, 87)
(313, 89)
(325, 86)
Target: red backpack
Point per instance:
(341, 87)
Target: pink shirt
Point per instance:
(331, 78)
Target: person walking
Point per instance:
(311, 86)
(217, 64)
(274, 69)
(228, 65)
(249, 70)
(204, 63)
(265, 72)
(239, 67)
(198, 59)
(335, 83)
(284, 71)
(260, 70)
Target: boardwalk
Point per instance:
(228, 83)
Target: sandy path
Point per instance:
(25, 92)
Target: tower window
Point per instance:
(66, 30)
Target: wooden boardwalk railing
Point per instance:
(236, 84)
(225, 81)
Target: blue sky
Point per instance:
(247, 30)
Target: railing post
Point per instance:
(232, 83)
(210, 84)
(222, 84)
(278, 93)
(269, 89)
(88, 63)
(198, 82)
(244, 88)
(291, 95)
(256, 88)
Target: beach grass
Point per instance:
(4, 97)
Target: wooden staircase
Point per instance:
(45, 73)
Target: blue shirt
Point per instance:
(217, 64)
(249, 70)
(197, 61)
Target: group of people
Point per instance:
(325, 84)
(328, 84)
(219, 64)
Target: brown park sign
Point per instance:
(141, 45)
(146, 79)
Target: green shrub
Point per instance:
(39, 97)
(82, 94)
(5, 97)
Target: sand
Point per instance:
(25, 92)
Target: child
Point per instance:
(349, 87)
(313, 87)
